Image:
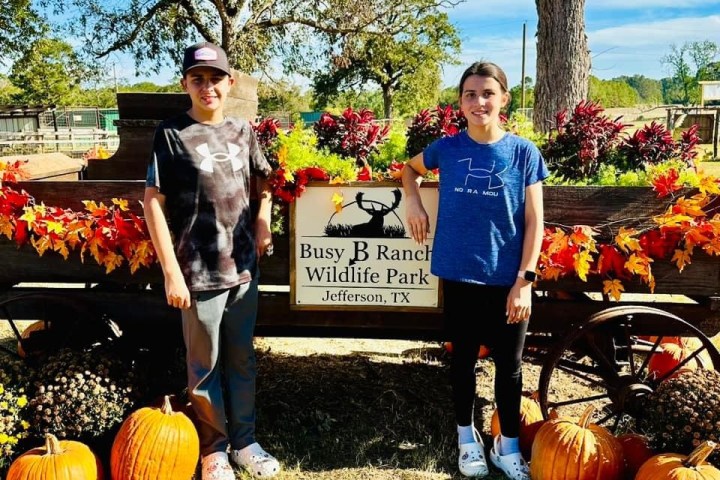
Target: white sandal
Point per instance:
(216, 467)
(471, 461)
(512, 465)
(256, 461)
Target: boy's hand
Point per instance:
(177, 293)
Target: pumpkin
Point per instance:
(567, 450)
(671, 355)
(530, 414)
(56, 460)
(33, 327)
(528, 433)
(636, 450)
(155, 444)
(681, 467)
(483, 351)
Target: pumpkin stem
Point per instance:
(52, 445)
(166, 406)
(700, 454)
(586, 416)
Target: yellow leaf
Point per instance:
(708, 184)
(338, 200)
(54, 227)
(681, 258)
(336, 180)
(29, 216)
(288, 176)
(613, 288)
(582, 264)
(690, 207)
(121, 203)
(626, 241)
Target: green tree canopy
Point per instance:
(688, 64)
(612, 93)
(20, 25)
(254, 33)
(50, 72)
(405, 64)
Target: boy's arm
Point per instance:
(263, 236)
(176, 289)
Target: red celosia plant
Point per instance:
(430, 124)
(352, 134)
(654, 144)
(267, 132)
(579, 144)
(287, 186)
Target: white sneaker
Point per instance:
(216, 467)
(512, 465)
(471, 461)
(256, 461)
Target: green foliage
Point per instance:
(649, 90)
(49, 73)
(392, 150)
(281, 97)
(689, 63)
(612, 93)
(522, 126)
(516, 96)
(13, 410)
(298, 149)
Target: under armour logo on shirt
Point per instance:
(494, 179)
(208, 158)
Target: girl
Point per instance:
(487, 244)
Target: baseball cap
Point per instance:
(205, 54)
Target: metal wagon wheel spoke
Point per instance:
(610, 366)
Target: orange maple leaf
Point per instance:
(551, 273)
(713, 247)
(681, 258)
(613, 288)
(582, 235)
(708, 184)
(558, 241)
(111, 261)
(41, 244)
(6, 227)
(638, 264)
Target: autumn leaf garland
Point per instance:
(112, 235)
(687, 223)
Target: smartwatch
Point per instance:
(527, 275)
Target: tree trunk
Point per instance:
(387, 92)
(563, 60)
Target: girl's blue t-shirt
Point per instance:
(481, 209)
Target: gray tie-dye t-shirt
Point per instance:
(204, 171)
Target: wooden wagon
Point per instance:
(574, 328)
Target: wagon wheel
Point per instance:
(608, 364)
(67, 321)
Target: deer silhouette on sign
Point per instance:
(377, 211)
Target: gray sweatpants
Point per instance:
(218, 331)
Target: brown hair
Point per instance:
(484, 69)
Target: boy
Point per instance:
(197, 208)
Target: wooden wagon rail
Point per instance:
(559, 303)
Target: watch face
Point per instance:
(530, 276)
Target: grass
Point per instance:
(367, 414)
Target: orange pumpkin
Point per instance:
(671, 355)
(528, 433)
(483, 352)
(636, 451)
(56, 460)
(681, 467)
(155, 444)
(567, 450)
(529, 413)
(33, 327)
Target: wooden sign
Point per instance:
(350, 246)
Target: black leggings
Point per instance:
(485, 324)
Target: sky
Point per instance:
(626, 37)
